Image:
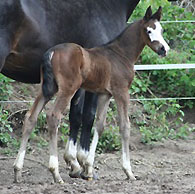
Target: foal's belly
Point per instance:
(96, 87)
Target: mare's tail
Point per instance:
(49, 86)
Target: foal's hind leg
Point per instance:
(122, 101)
(103, 103)
(53, 119)
(29, 123)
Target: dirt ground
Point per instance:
(165, 167)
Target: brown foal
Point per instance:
(107, 70)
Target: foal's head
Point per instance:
(152, 32)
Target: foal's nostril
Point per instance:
(162, 51)
(162, 48)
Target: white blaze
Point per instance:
(156, 35)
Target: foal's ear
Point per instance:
(158, 14)
(148, 14)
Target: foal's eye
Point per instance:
(149, 32)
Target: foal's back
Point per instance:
(99, 69)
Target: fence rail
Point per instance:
(178, 21)
(164, 66)
(175, 21)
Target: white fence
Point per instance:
(164, 66)
(175, 21)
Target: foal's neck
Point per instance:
(130, 44)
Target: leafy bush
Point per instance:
(5, 87)
(166, 83)
(163, 120)
(109, 140)
(5, 125)
(5, 128)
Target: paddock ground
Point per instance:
(165, 167)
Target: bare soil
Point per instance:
(164, 167)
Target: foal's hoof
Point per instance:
(61, 182)
(89, 178)
(17, 175)
(131, 177)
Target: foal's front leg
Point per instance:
(29, 123)
(122, 101)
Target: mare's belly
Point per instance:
(23, 68)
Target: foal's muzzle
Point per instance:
(162, 52)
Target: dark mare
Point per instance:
(107, 70)
(29, 27)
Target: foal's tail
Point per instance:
(49, 85)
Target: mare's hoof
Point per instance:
(75, 175)
(89, 178)
(138, 178)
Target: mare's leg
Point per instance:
(75, 118)
(29, 123)
(103, 103)
(75, 115)
(122, 100)
(53, 119)
(89, 111)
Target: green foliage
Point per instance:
(163, 120)
(166, 83)
(181, 38)
(41, 122)
(5, 128)
(5, 87)
(40, 128)
(5, 125)
(109, 140)
(64, 129)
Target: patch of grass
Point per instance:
(110, 140)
